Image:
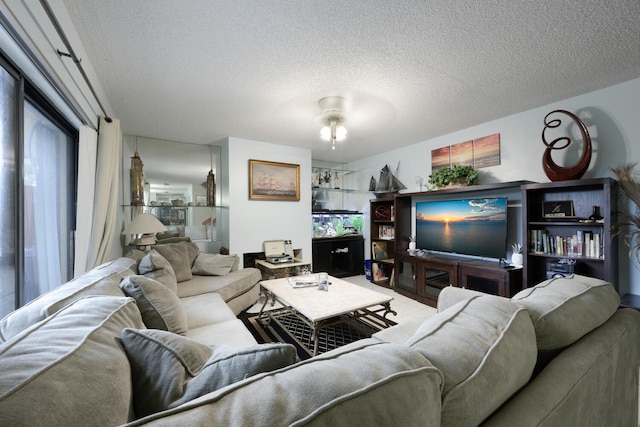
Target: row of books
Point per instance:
(581, 244)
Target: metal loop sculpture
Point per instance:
(553, 170)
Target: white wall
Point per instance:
(251, 222)
(611, 114)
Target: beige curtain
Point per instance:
(105, 200)
(87, 152)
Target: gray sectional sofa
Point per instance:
(95, 352)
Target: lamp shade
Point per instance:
(144, 224)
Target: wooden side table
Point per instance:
(278, 271)
(630, 301)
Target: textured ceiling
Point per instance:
(200, 70)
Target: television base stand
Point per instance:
(422, 278)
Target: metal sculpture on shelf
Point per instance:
(387, 184)
(137, 181)
(554, 171)
(211, 189)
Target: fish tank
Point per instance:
(329, 224)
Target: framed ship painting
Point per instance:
(273, 181)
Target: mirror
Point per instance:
(175, 183)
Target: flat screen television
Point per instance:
(475, 227)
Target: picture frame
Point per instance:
(558, 210)
(273, 180)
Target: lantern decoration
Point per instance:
(137, 181)
(211, 189)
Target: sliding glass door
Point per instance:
(8, 193)
(37, 192)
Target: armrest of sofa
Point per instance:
(592, 382)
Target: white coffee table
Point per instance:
(319, 309)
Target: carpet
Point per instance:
(299, 332)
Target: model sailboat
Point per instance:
(387, 183)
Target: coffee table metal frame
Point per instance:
(318, 309)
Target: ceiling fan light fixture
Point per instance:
(333, 116)
(333, 129)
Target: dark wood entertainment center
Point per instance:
(423, 277)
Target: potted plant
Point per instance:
(517, 257)
(630, 187)
(460, 175)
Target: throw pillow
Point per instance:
(213, 264)
(178, 256)
(161, 362)
(229, 364)
(565, 309)
(135, 254)
(168, 369)
(159, 306)
(485, 347)
(157, 267)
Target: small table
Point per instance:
(319, 309)
(286, 269)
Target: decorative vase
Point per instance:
(412, 246)
(517, 259)
(595, 215)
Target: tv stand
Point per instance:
(422, 278)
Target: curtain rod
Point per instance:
(71, 54)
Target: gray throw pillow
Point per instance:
(157, 267)
(485, 347)
(159, 306)
(135, 254)
(176, 254)
(566, 308)
(169, 369)
(213, 264)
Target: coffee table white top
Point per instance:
(341, 298)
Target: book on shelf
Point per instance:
(583, 243)
(379, 250)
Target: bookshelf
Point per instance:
(573, 237)
(382, 232)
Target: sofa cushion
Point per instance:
(70, 369)
(451, 295)
(176, 254)
(229, 286)
(157, 267)
(101, 280)
(352, 385)
(213, 264)
(231, 332)
(169, 369)
(159, 306)
(206, 309)
(486, 349)
(565, 309)
(136, 255)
